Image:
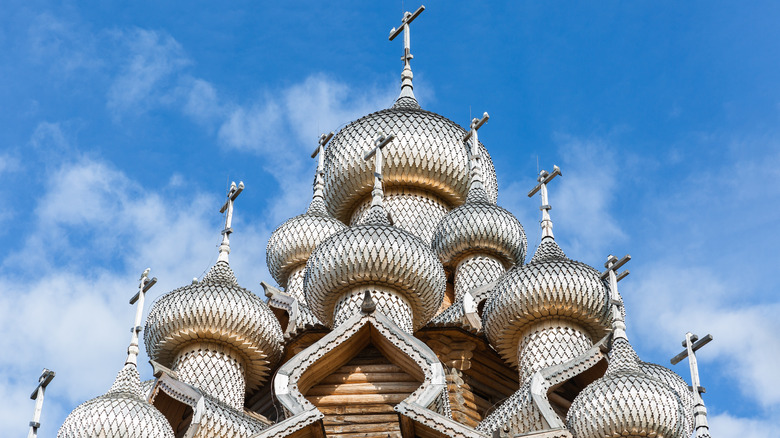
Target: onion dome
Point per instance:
(222, 317)
(479, 225)
(549, 286)
(215, 309)
(292, 243)
(627, 402)
(379, 257)
(678, 384)
(121, 412)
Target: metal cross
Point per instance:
(380, 142)
(37, 395)
(319, 177)
(224, 247)
(692, 343)
(145, 283)
(394, 32)
(612, 265)
(544, 179)
(475, 156)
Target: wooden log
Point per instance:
(367, 435)
(367, 377)
(356, 409)
(370, 427)
(369, 368)
(334, 400)
(364, 388)
(351, 419)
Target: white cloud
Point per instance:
(727, 426)
(145, 79)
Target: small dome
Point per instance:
(292, 243)
(480, 226)
(217, 309)
(549, 286)
(627, 402)
(677, 383)
(121, 412)
(428, 154)
(378, 254)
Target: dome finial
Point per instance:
(145, 283)
(616, 303)
(377, 194)
(691, 344)
(407, 89)
(37, 395)
(544, 178)
(476, 188)
(224, 247)
(317, 204)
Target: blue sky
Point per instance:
(121, 126)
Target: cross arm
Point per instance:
(43, 382)
(545, 178)
(613, 264)
(234, 192)
(696, 345)
(147, 286)
(476, 126)
(394, 32)
(384, 142)
(324, 139)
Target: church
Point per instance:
(404, 303)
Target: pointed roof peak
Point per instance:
(128, 381)
(548, 250)
(406, 99)
(220, 273)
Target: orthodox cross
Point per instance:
(612, 265)
(145, 283)
(319, 177)
(224, 248)
(380, 142)
(37, 395)
(692, 343)
(406, 75)
(544, 179)
(476, 167)
(394, 32)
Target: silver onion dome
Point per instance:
(379, 255)
(428, 155)
(480, 226)
(121, 412)
(678, 384)
(215, 309)
(549, 286)
(627, 402)
(293, 242)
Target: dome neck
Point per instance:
(406, 98)
(544, 178)
(377, 214)
(227, 208)
(317, 205)
(476, 187)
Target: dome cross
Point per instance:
(544, 179)
(475, 156)
(319, 177)
(380, 142)
(691, 344)
(37, 395)
(224, 247)
(612, 265)
(145, 283)
(406, 76)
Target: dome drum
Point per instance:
(386, 300)
(548, 343)
(474, 271)
(195, 365)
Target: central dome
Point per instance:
(427, 155)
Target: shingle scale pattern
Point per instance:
(427, 153)
(551, 286)
(378, 255)
(215, 309)
(626, 402)
(121, 412)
